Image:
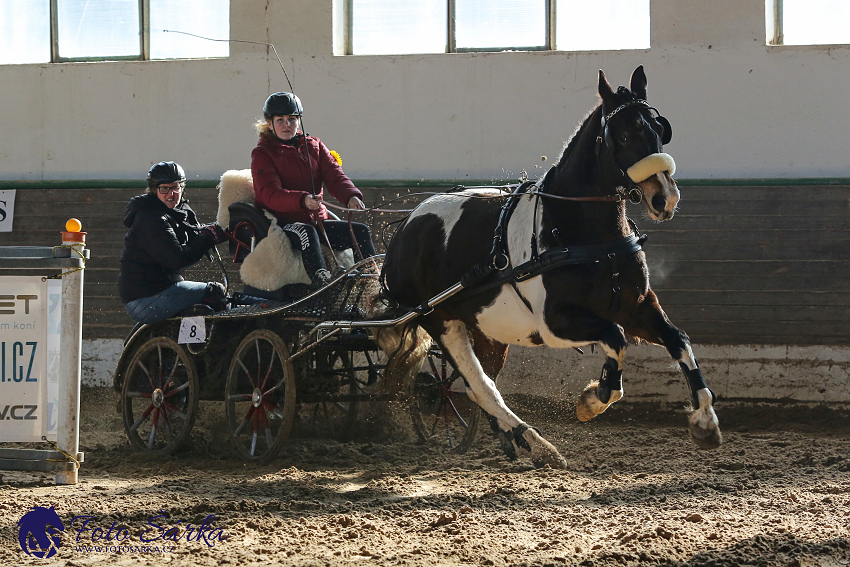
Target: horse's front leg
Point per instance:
(572, 326)
(482, 390)
(652, 324)
(599, 394)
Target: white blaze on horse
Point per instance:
(555, 263)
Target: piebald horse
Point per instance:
(556, 263)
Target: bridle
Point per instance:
(631, 190)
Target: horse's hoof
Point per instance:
(589, 405)
(587, 401)
(704, 429)
(544, 453)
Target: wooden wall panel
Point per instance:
(736, 265)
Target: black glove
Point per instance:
(215, 232)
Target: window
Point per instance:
(383, 27)
(41, 31)
(24, 31)
(808, 22)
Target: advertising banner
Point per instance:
(7, 209)
(25, 303)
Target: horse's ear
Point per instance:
(637, 84)
(605, 90)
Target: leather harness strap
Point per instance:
(479, 279)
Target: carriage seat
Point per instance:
(248, 225)
(272, 263)
(268, 262)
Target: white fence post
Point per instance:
(70, 349)
(70, 259)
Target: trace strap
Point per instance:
(478, 279)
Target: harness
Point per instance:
(480, 278)
(499, 270)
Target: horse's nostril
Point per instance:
(659, 202)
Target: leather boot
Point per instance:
(215, 296)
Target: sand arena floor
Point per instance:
(636, 493)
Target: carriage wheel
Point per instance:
(159, 396)
(259, 398)
(333, 411)
(442, 412)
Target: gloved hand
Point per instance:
(356, 204)
(215, 232)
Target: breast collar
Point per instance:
(481, 278)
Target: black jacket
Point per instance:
(160, 243)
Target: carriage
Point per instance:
(553, 262)
(294, 354)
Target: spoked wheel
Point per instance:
(330, 409)
(259, 398)
(442, 412)
(159, 396)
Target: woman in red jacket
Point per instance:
(290, 170)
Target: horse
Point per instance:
(555, 263)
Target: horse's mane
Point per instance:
(570, 146)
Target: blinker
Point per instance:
(667, 129)
(667, 133)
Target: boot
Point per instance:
(320, 278)
(215, 296)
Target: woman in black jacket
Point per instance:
(164, 238)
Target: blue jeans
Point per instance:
(166, 303)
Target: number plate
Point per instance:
(192, 330)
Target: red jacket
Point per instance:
(282, 178)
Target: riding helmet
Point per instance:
(165, 172)
(282, 104)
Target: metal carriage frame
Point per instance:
(315, 360)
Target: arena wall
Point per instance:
(739, 108)
(755, 275)
(753, 267)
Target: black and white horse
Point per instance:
(565, 268)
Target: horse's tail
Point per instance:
(405, 346)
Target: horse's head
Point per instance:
(631, 137)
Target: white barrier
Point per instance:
(32, 365)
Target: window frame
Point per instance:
(451, 44)
(144, 7)
(775, 28)
(777, 37)
(144, 38)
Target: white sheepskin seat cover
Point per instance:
(650, 165)
(273, 264)
(236, 186)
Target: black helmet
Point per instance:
(282, 104)
(165, 172)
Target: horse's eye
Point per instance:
(624, 138)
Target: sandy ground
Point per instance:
(636, 493)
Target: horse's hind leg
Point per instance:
(482, 390)
(490, 353)
(654, 326)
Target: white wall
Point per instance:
(738, 107)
